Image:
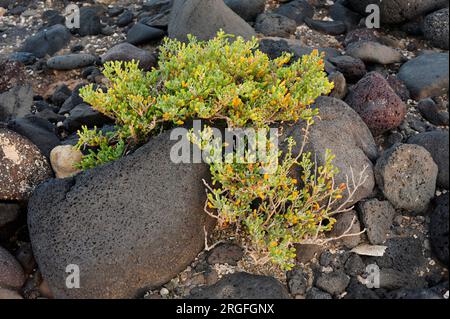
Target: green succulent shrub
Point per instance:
(217, 79)
(229, 81)
(275, 206)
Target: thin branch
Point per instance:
(207, 247)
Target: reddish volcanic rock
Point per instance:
(12, 73)
(377, 103)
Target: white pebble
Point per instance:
(164, 292)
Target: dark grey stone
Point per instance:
(414, 294)
(47, 41)
(296, 10)
(439, 225)
(334, 283)
(26, 58)
(242, 286)
(130, 224)
(71, 61)
(377, 216)
(352, 68)
(426, 76)
(89, 22)
(409, 187)
(356, 290)
(128, 52)
(338, 12)
(343, 224)
(343, 132)
(16, 102)
(84, 115)
(275, 25)
(393, 12)
(141, 34)
(225, 254)
(125, 18)
(403, 254)
(354, 265)
(437, 143)
(297, 280)
(9, 212)
(11, 273)
(247, 10)
(433, 112)
(60, 95)
(38, 130)
(52, 17)
(328, 27)
(436, 27)
(204, 20)
(315, 293)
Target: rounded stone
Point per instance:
(204, 19)
(127, 52)
(341, 131)
(436, 28)
(22, 166)
(11, 273)
(407, 176)
(71, 61)
(377, 103)
(63, 158)
(275, 25)
(426, 75)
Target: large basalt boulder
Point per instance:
(204, 19)
(342, 131)
(130, 224)
(22, 166)
(398, 11)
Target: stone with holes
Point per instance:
(130, 224)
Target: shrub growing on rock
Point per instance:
(231, 81)
(214, 80)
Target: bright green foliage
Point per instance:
(236, 82)
(217, 79)
(107, 148)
